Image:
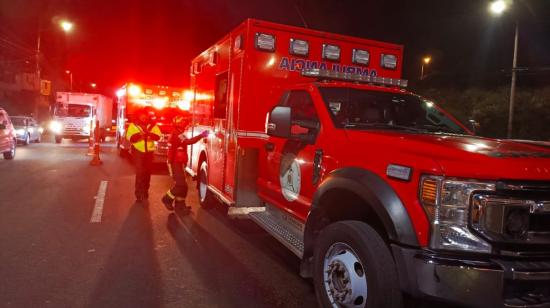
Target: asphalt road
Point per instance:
(52, 255)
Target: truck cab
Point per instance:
(377, 190)
(76, 114)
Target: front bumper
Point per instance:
(471, 282)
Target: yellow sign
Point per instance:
(45, 87)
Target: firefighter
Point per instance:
(177, 160)
(142, 134)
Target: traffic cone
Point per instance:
(96, 161)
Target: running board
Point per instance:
(279, 229)
(243, 212)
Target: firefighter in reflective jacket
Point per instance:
(142, 134)
(177, 160)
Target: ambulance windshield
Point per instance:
(365, 110)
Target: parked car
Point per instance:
(26, 129)
(7, 136)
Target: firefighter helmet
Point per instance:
(181, 120)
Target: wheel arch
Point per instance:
(360, 195)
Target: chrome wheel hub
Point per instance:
(344, 277)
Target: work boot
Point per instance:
(181, 206)
(168, 202)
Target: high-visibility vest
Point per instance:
(140, 145)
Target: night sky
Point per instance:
(153, 41)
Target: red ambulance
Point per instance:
(165, 101)
(377, 190)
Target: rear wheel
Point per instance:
(353, 267)
(206, 199)
(11, 153)
(58, 139)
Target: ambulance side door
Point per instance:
(289, 162)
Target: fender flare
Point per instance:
(375, 192)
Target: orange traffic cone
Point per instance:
(96, 161)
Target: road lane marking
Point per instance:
(99, 200)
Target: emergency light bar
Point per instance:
(388, 61)
(299, 47)
(334, 75)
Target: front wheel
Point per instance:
(11, 153)
(205, 195)
(353, 267)
(27, 140)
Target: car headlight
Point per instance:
(20, 131)
(86, 129)
(56, 127)
(447, 205)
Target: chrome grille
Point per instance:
(518, 213)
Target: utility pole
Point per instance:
(513, 86)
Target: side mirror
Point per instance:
(279, 121)
(474, 126)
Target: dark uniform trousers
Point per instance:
(143, 163)
(179, 191)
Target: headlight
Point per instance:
(41, 130)
(20, 131)
(447, 204)
(56, 127)
(86, 129)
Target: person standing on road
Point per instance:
(142, 134)
(177, 160)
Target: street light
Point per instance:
(93, 85)
(70, 77)
(66, 26)
(498, 8)
(425, 61)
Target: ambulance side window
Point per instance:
(305, 121)
(220, 99)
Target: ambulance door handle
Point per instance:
(269, 146)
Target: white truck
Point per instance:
(75, 115)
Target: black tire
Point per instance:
(206, 199)
(58, 139)
(27, 140)
(373, 271)
(11, 154)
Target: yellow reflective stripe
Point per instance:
(180, 199)
(170, 169)
(170, 194)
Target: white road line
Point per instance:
(99, 200)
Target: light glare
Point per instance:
(67, 26)
(498, 7)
